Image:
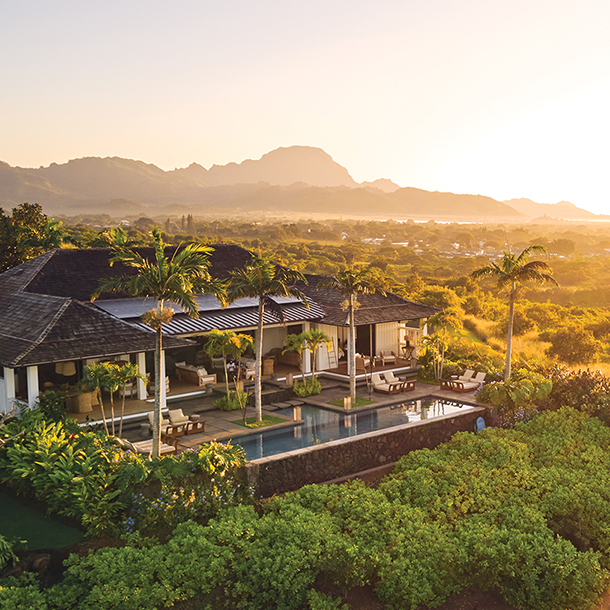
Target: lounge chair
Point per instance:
(385, 388)
(467, 376)
(165, 448)
(130, 389)
(390, 377)
(480, 378)
(405, 386)
(387, 357)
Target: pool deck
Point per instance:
(219, 425)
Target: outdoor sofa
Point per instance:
(194, 374)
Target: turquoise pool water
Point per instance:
(323, 425)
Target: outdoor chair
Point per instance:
(165, 448)
(467, 376)
(480, 378)
(385, 388)
(164, 422)
(405, 386)
(178, 422)
(152, 385)
(390, 377)
(130, 389)
(387, 357)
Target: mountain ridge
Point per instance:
(296, 179)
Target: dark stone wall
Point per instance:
(322, 463)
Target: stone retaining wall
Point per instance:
(320, 463)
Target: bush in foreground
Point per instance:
(524, 510)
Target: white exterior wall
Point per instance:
(273, 337)
(387, 337)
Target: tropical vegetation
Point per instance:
(522, 511)
(510, 273)
(350, 283)
(176, 279)
(262, 279)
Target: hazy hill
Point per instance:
(298, 179)
(563, 209)
(383, 184)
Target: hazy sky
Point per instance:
(502, 98)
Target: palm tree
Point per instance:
(177, 279)
(296, 343)
(125, 374)
(437, 344)
(96, 377)
(350, 283)
(511, 272)
(262, 279)
(315, 339)
(227, 344)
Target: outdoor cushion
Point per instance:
(176, 416)
(164, 422)
(467, 376)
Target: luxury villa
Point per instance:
(50, 330)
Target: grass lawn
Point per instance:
(360, 402)
(268, 420)
(27, 523)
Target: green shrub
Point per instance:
(232, 402)
(87, 476)
(308, 387)
(7, 553)
(22, 594)
(518, 398)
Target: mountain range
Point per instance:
(295, 180)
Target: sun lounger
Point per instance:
(385, 388)
(467, 376)
(165, 448)
(405, 386)
(390, 377)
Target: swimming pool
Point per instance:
(323, 425)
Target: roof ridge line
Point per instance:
(47, 330)
(46, 260)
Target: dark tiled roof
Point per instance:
(46, 315)
(76, 273)
(83, 331)
(373, 309)
(38, 328)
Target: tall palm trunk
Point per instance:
(157, 412)
(99, 397)
(122, 410)
(258, 389)
(224, 362)
(112, 409)
(351, 350)
(509, 338)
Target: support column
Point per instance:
(33, 387)
(163, 374)
(141, 384)
(9, 385)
